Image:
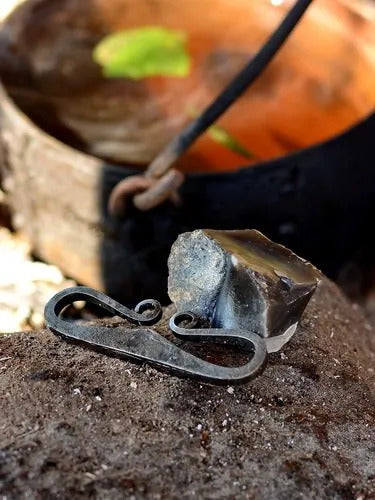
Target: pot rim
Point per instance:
(82, 159)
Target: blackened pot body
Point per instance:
(319, 202)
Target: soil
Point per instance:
(76, 423)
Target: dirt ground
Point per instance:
(78, 424)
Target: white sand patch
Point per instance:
(6, 6)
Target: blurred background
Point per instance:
(75, 120)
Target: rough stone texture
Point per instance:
(75, 423)
(240, 279)
(196, 267)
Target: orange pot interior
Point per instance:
(320, 83)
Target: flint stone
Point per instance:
(240, 279)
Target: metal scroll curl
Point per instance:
(145, 344)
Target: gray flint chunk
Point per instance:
(240, 279)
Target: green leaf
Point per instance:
(143, 52)
(220, 135)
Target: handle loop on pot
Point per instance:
(148, 192)
(160, 167)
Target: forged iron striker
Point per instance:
(234, 288)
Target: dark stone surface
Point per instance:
(240, 279)
(75, 423)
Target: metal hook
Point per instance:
(249, 341)
(147, 345)
(66, 298)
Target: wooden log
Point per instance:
(54, 192)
